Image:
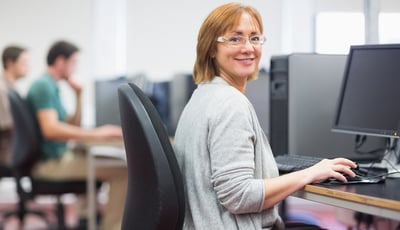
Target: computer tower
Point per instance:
(304, 89)
(258, 94)
(181, 89)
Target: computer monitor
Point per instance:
(369, 99)
(368, 103)
(106, 100)
(159, 96)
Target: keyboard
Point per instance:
(290, 162)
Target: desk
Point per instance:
(95, 161)
(376, 199)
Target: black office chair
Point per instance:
(26, 152)
(155, 197)
(5, 171)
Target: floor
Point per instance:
(334, 218)
(33, 222)
(314, 213)
(45, 204)
(323, 215)
(9, 199)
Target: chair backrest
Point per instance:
(26, 139)
(155, 197)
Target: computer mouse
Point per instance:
(360, 177)
(355, 178)
(360, 171)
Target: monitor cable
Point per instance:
(389, 162)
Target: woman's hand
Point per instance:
(278, 188)
(331, 168)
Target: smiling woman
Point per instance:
(230, 22)
(228, 168)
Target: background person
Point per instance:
(229, 171)
(57, 128)
(15, 64)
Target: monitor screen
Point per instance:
(106, 101)
(369, 99)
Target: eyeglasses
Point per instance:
(238, 40)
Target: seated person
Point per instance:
(229, 172)
(15, 64)
(57, 128)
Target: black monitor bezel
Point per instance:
(359, 130)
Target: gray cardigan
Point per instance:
(224, 156)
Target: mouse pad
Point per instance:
(358, 180)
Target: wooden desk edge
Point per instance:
(364, 199)
(111, 142)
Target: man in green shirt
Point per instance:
(58, 127)
(44, 95)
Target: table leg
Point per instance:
(91, 192)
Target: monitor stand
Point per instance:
(390, 160)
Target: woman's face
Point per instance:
(238, 62)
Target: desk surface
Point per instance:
(118, 142)
(377, 199)
(114, 148)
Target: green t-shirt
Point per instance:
(44, 94)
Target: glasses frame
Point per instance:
(243, 40)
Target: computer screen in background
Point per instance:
(368, 103)
(106, 101)
(107, 106)
(159, 95)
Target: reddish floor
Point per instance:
(323, 215)
(319, 214)
(33, 222)
(330, 217)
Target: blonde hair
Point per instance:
(219, 21)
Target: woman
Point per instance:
(229, 171)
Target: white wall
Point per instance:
(37, 24)
(109, 38)
(162, 35)
(157, 38)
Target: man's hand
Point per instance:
(75, 84)
(108, 132)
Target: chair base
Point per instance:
(22, 211)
